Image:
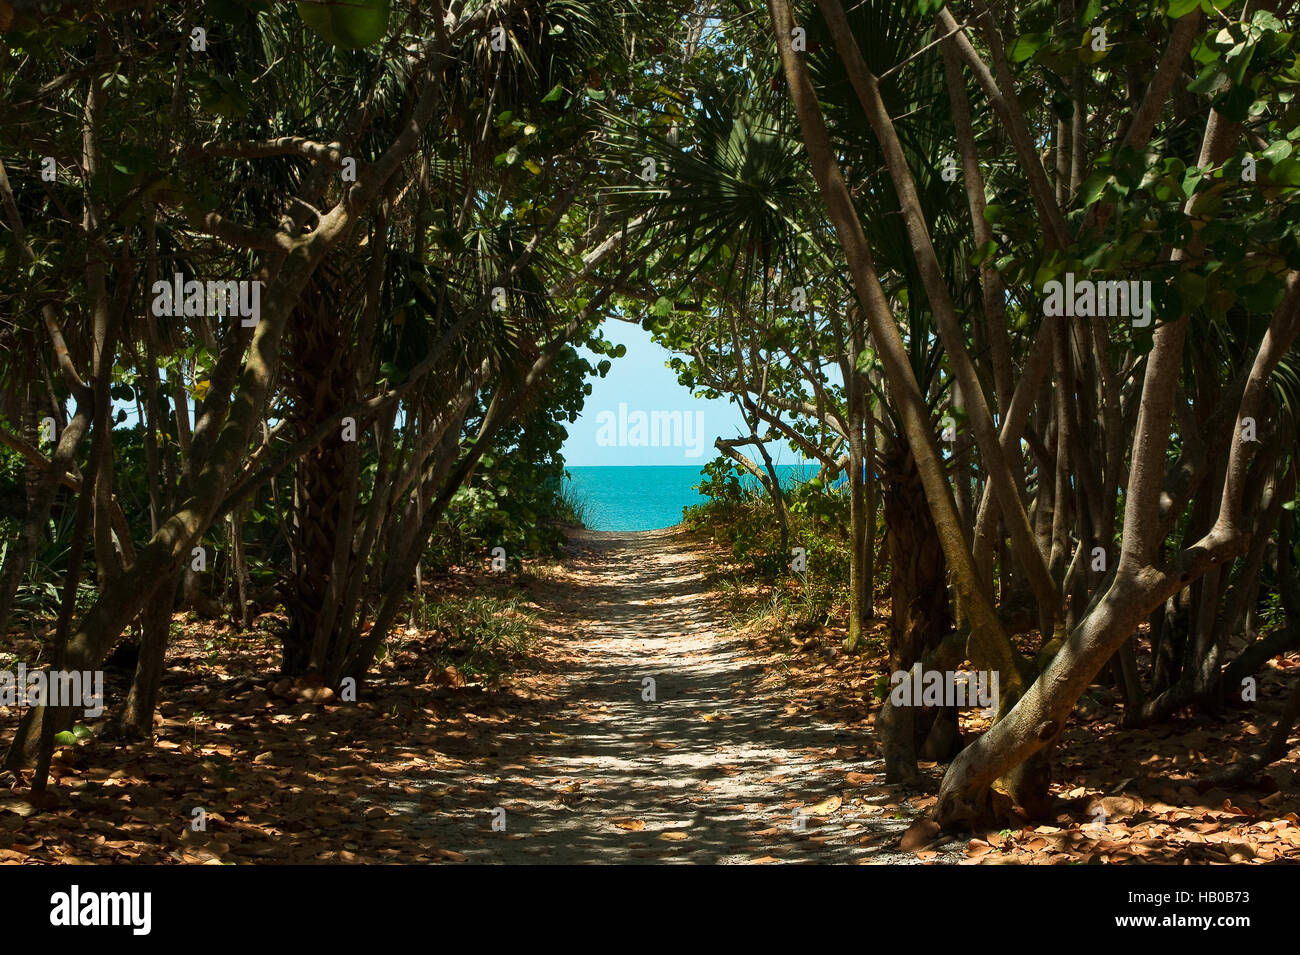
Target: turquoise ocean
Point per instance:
(643, 498)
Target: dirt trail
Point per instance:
(713, 770)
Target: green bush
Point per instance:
(479, 636)
(740, 516)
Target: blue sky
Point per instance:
(640, 387)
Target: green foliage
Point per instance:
(346, 23)
(741, 517)
(516, 498)
(480, 636)
(40, 592)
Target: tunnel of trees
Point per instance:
(295, 296)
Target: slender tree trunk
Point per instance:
(859, 558)
(920, 615)
(136, 720)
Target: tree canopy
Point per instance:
(302, 296)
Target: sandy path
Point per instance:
(713, 770)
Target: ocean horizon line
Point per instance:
(694, 467)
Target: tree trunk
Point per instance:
(920, 614)
(860, 583)
(137, 713)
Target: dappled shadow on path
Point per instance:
(574, 759)
(661, 744)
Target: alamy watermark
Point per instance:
(216, 298)
(76, 908)
(1086, 298)
(654, 429)
(951, 688)
(74, 689)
